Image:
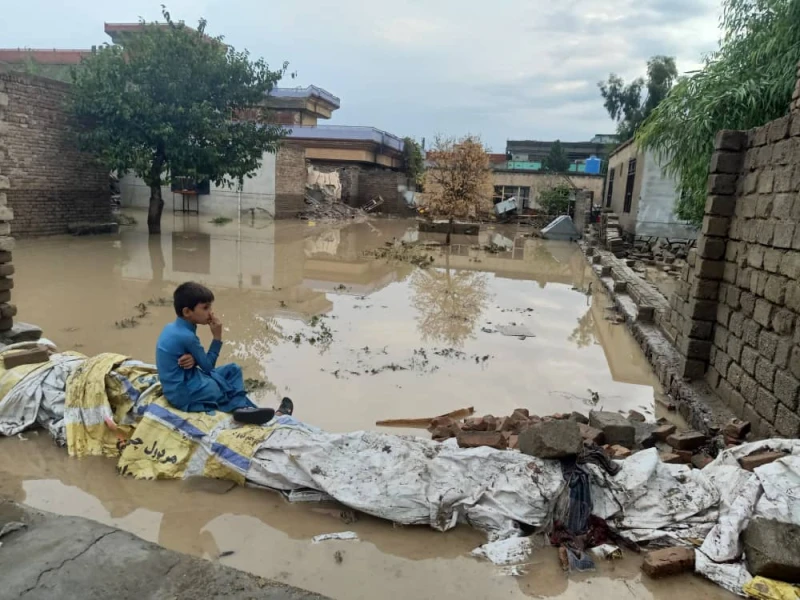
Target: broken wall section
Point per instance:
(44, 179)
(737, 310)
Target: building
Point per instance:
(529, 154)
(52, 64)
(526, 185)
(643, 196)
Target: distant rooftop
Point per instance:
(52, 56)
(347, 132)
(311, 91)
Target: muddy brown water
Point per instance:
(352, 339)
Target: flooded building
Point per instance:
(643, 195)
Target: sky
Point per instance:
(501, 69)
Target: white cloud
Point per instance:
(503, 69)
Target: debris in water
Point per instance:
(338, 556)
(510, 551)
(226, 553)
(514, 330)
(461, 413)
(342, 535)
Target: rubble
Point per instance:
(579, 418)
(476, 439)
(687, 440)
(736, 429)
(317, 210)
(551, 439)
(662, 432)
(636, 417)
(590, 434)
(701, 460)
(668, 561)
(772, 549)
(619, 452)
(758, 459)
(645, 434)
(617, 429)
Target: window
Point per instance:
(610, 190)
(504, 192)
(629, 185)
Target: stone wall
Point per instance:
(48, 182)
(386, 184)
(735, 310)
(290, 180)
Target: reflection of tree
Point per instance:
(449, 303)
(583, 334)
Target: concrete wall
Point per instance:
(258, 193)
(619, 162)
(47, 182)
(738, 304)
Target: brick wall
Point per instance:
(290, 181)
(379, 182)
(738, 303)
(49, 183)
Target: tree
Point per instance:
(449, 303)
(413, 161)
(163, 104)
(627, 104)
(556, 160)
(459, 183)
(746, 83)
(555, 200)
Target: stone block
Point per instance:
(662, 432)
(618, 452)
(772, 550)
(782, 353)
(590, 434)
(726, 162)
(796, 239)
(766, 180)
(711, 248)
(766, 404)
(5, 184)
(787, 422)
(6, 244)
(764, 206)
(786, 389)
(722, 362)
(749, 389)
(765, 373)
(783, 207)
(793, 296)
(731, 272)
(790, 265)
(783, 235)
(736, 428)
(6, 213)
(704, 289)
(794, 361)
(5, 257)
(21, 332)
(758, 281)
(749, 359)
(734, 348)
(783, 179)
(767, 344)
(720, 206)
(701, 460)
(765, 230)
(759, 459)
(25, 357)
(616, 428)
(750, 332)
(723, 314)
(779, 129)
(692, 369)
(755, 256)
(696, 349)
(6, 270)
(735, 373)
(775, 290)
(687, 440)
(668, 561)
(6, 284)
(551, 439)
(782, 152)
(8, 311)
(715, 226)
(763, 313)
(772, 259)
(730, 140)
(722, 185)
(3, 199)
(477, 439)
(702, 310)
(759, 135)
(736, 324)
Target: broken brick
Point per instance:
(518, 421)
(475, 424)
(26, 357)
(668, 561)
(753, 461)
(701, 460)
(619, 452)
(671, 458)
(685, 455)
(687, 440)
(636, 417)
(476, 439)
(664, 431)
(736, 429)
(590, 434)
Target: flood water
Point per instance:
(352, 339)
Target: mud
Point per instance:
(271, 281)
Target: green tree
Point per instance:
(746, 83)
(629, 105)
(413, 161)
(162, 103)
(555, 200)
(556, 160)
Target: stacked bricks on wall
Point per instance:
(44, 179)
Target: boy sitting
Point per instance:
(189, 377)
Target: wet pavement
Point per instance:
(352, 339)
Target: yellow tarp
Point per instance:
(770, 589)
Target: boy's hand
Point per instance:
(216, 327)
(186, 361)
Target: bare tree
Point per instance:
(458, 184)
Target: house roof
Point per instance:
(52, 56)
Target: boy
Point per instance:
(189, 377)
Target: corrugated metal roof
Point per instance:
(347, 132)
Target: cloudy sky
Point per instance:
(504, 69)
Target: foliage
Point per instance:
(163, 102)
(459, 184)
(413, 160)
(627, 105)
(746, 83)
(555, 200)
(556, 160)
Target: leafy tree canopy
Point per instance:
(556, 160)
(414, 162)
(163, 103)
(746, 83)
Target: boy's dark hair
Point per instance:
(190, 294)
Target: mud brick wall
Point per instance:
(46, 181)
(290, 180)
(738, 306)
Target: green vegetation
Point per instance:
(746, 83)
(163, 103)
(413, 160)
(556, 161)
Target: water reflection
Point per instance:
(449, 303)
